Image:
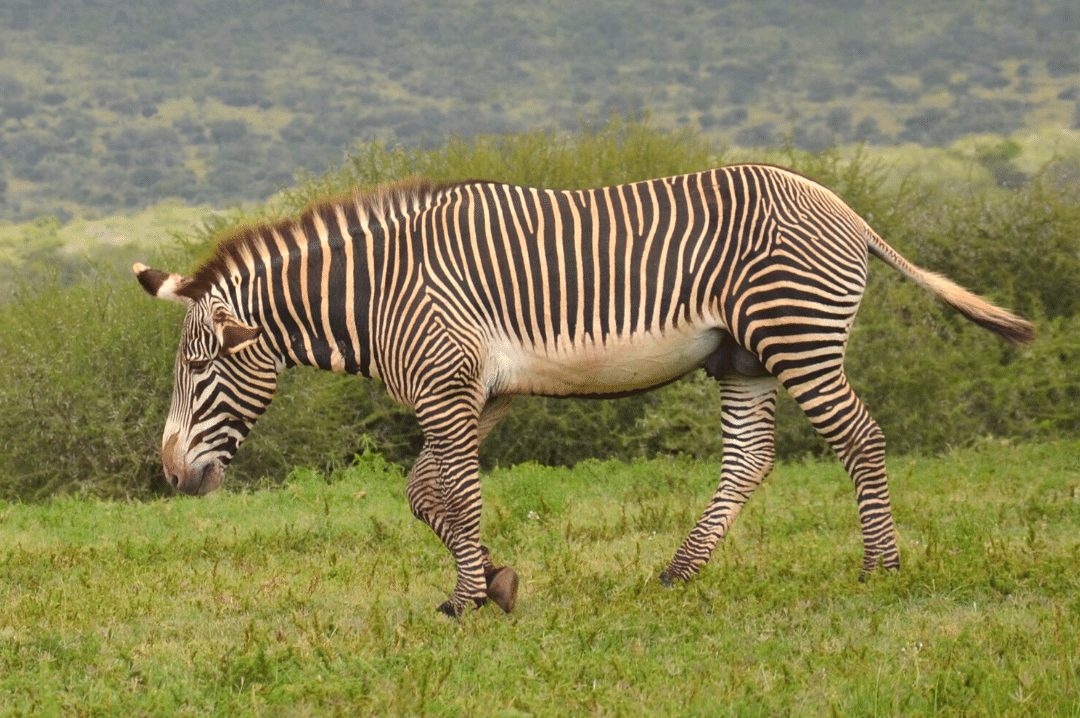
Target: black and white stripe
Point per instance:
(461, 296)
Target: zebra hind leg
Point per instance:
(840, 417)
(748, 413)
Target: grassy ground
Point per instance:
(318, 598)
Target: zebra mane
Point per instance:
(238, 244)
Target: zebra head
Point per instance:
(225, 377)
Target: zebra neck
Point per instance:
(314, 294)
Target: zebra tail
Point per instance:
(1002, 322)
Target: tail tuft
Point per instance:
(1014, 329)
(1010, 327)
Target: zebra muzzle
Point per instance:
(199, 481)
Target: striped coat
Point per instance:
(461, 296)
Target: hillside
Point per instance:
(108, 106)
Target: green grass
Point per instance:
(318, 598)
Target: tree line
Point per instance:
(86, 364)
(105, 106)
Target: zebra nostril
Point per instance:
(174, 480)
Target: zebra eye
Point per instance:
(198, 365)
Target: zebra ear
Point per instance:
(234, 335)
(161, 284)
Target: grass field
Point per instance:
(318, 598)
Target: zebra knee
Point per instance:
(421, 501)
(415, 503)
(765, 460)
(865, 446)
(873, 438)
(758, 463)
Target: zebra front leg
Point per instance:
(748, 420)
(502, 581)
(450, 422)
(426, 503)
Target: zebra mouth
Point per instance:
(212, 477)
(204, 481)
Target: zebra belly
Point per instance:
(619, 365)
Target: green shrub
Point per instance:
(619, 151)
(85, 375)
(86, 365)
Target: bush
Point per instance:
(84, 385)
(85, 382)
(85, 366)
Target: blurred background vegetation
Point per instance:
(144, 132)
(108, 105)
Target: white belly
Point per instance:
(621, 365)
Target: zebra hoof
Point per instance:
(870, 568)
(503, 587)
(865, 575)
(450, 609)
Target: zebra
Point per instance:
(459, 296)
